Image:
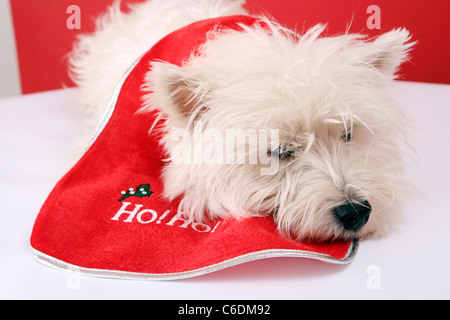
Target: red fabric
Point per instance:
(87, 221)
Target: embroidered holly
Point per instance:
(141, 192)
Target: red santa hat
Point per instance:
(107, 217)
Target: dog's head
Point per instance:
(266, 122)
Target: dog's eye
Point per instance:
(282, 152)
(347, 136)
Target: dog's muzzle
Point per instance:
(352, 216)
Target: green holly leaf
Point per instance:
(141, 192)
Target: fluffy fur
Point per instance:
(341, 137)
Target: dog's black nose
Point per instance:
(352, 216)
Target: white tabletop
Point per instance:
(37, 133)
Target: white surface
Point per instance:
(37, 133)
(9, 68)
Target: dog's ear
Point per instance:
(175, 91)
(389, 51)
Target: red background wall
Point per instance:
(43, 38)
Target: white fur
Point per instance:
(99, 60)
(312, 89)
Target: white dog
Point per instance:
(335, 135)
